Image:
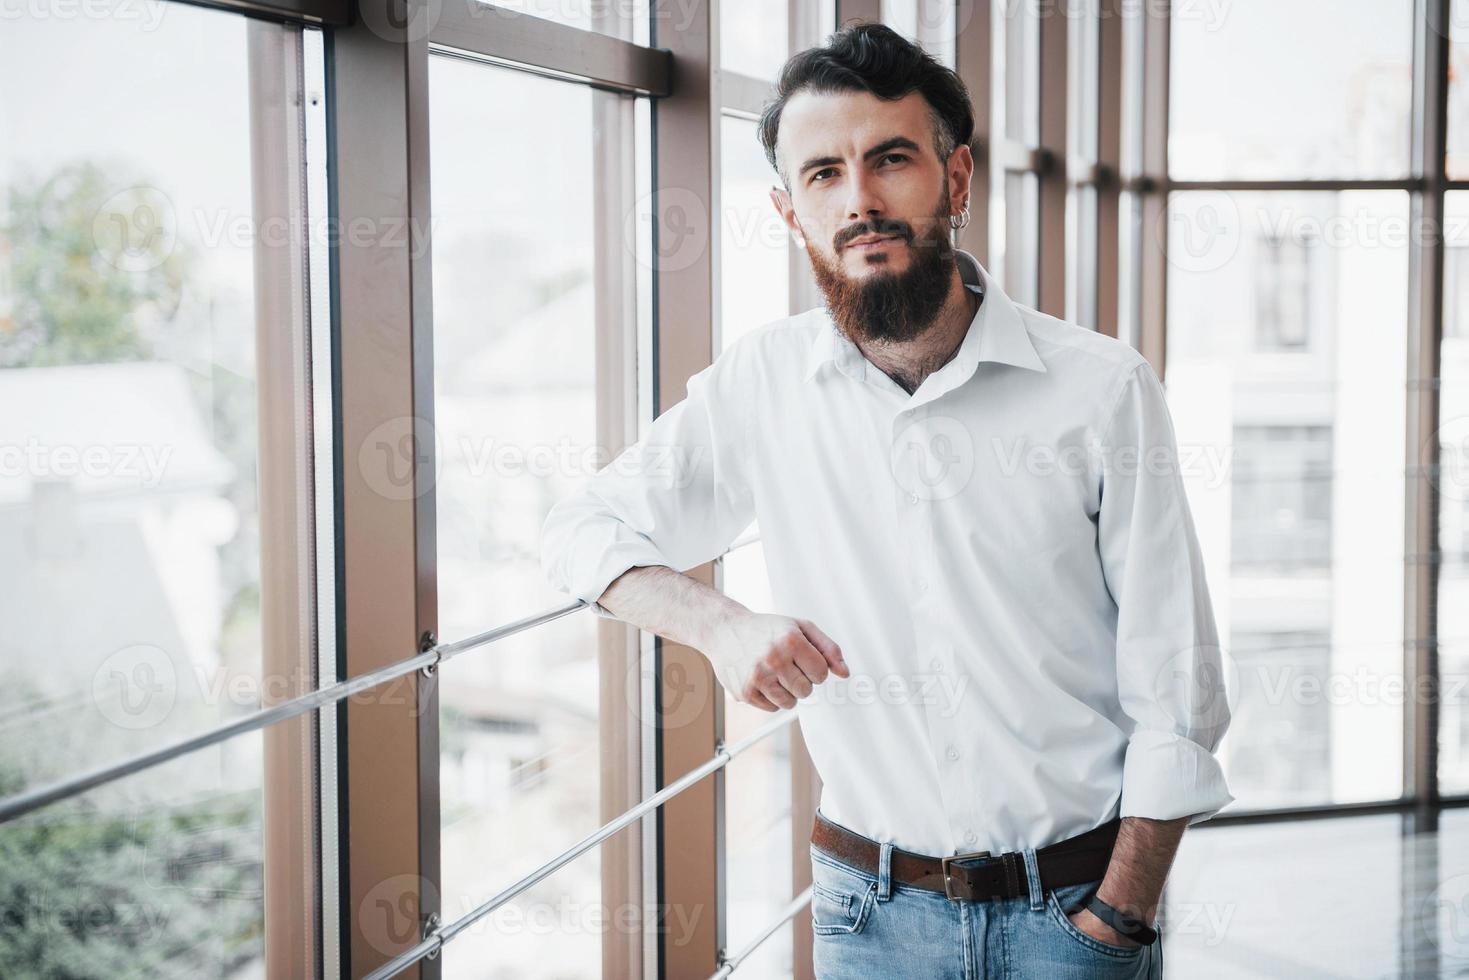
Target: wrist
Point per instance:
(1123, 920)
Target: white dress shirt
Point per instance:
(1006, 558)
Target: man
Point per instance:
(993, 618)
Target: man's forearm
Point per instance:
(1139, 866)
(669, 603)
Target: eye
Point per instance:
(896, 156)
(820, 172)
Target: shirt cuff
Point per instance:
(594, 566)
(1166, 776)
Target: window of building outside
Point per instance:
(1453, 487)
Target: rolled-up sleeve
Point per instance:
(1170, 668)
(677, 497)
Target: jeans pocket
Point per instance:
(1070, 898)
(841, 898)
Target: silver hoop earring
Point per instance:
(960, 220)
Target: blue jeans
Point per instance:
(869, 926)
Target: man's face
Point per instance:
(862, 168)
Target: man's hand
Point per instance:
(771, 661)
(1087, 921)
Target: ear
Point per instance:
(961, 169)
(787, 212)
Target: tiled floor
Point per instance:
(1360, 896)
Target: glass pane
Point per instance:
(754, 37)
(516, 308)
(625, 19)
(1235, 892)
(1020, 24)
(1285, 379)
(755, 289)
(930, 23)
(1458, 132)
(1020, 253)
(131, 585)
(1453, 486)
(1347, 113)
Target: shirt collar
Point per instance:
(997, 333)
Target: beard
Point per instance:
(887, 306)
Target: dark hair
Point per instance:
(874, 58)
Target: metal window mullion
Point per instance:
(516, 39)
(974, 62)
(287, 526)
(866, 10)
(686, 132)
(1051, 257)
(1152, 247)
(1110, 89)
(378, 130)
(1425, 337)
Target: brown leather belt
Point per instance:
(976, 875)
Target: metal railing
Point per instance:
(427, 661)
(436, 939)
(24, 802)
(728, 964)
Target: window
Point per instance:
(520, 294)
(1283, 291)
(1282, 497)
(1348, 110)
(1453, 489)
(1292, 453)
(755, 289)
(154, 412)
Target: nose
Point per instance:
(863, 202)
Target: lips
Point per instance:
(867, 241)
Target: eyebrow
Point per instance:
(891, 143)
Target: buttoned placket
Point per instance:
(914, 504)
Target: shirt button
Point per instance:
(970, 837)
(912, 498)
(922, 585)
(953, 752)
(937, 664)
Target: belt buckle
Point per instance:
(948, 875)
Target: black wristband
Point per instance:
(1125, 924)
